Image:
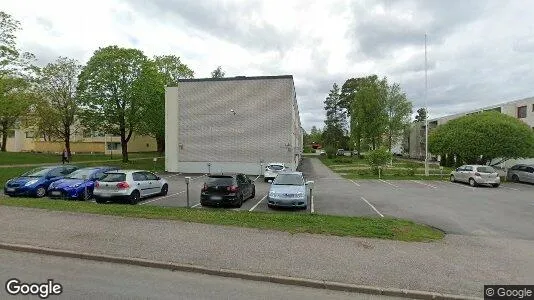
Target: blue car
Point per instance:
(35, 182)
(78, 185)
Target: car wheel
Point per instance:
(452, 178)
(495, 185)
(100, 200)
(40, 192)
(164, 190)
(515, 178)
(472, 182)
(134, 197)
(239, 201)
(86, 195)
(253, 193)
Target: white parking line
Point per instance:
(256, 205)
(173, 175)
(374, 208)
(357, 184)
(199, 177)
(388, 183)
(156, 199)
(312, 207)
(257, 178)
(428, 185)
(461, 185)
(196, 205)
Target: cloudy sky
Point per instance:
(479, 52)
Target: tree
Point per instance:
(218, 73)
(399, 111)
(480, 138)
(421, 115)
(59, 105)
(170, 69)
(336, 120)
(316, 135)
(379, 158)
(113, 88)
(15, 102)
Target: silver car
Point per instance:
(272, 170)
(521, 173)
(289, 190)
(129, 185)
(476, 175)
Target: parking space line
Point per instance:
(357, 184)
(156, 199)
(256, 205)
(199, 177)
(173, 175)
(196, 205)
(256, 178)
(428, 185)
(374, 208)
(461, 185)
(388, 183)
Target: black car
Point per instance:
(227, 189)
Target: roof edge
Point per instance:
(237, 78)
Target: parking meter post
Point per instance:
(187, 180)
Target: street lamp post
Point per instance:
(426, 114)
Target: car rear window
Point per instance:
(288, 179)
(276, 167)
(113, 177)
(220, 181)
(486, 170)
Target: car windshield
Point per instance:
(113, 177)
(276, 167)
(220, 181)
(486, 170)
(81, 174)
(288, 179)
(38, 172)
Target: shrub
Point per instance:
(330, 151)
(379, 157)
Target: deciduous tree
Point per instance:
(218, 73)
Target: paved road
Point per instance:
(456, 265)
(82, 279)
(507, 211)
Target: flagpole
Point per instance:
(426, 111)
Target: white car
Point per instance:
(272, 170)
(476, 175)
(129, 185)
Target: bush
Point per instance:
(379, 157)
(330, 151)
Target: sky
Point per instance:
(479, 53)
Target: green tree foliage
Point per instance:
(58, 106)
(421, 115)
(170, 70)
(16, 99)
(114, 88)
(399, 111)
(336, 119)
(378, 158)
(479, 138)
(218, 73)
(316, 135)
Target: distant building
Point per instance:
(522, 109)
(236, 124)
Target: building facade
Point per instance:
(522, 109)
(236, 124)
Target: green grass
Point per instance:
(18, 158)
(383, 228)
(144, 164)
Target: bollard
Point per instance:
(84, 187)
(209, 168)
(187, 180)
(309, 184)
(154, 160)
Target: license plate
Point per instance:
(216, 198)
(10, 189)
(55, 193)
(105, 195)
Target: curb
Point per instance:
(319, 284)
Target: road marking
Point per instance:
(388, 183)
(429, 185)
(513, 189)
(357, 184)
(173, 175)
(253, 207)
(156, 199)
(312, 207)
(196, 205)
(256, 178)
(461, 185)
(374, 208)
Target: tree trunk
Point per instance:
(67, 140)
(4, 139)
(124, 144)
(161, 144)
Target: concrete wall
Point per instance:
(221, 167)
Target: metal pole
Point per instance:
(309, 200)
(426, 112)
(187, 180)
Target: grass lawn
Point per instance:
(144, 164)
(383, 228)
(18, 158)
(355, 168)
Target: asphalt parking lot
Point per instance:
(453, 207)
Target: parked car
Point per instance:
(322, 153)
(476, 175)
(129, 185)
(340, 152)
(289, 190)
(272, 170)
(227, 189)
(78, 184)
(521, 173)
(35, 182)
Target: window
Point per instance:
(150, 176)
(530, 169)
(56, 172)
(113, 146)
(468, 168)
(30, 134)
(522, 112)
(113, 177)
(139, 177)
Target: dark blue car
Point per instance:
(35, 182)
(78, 185)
